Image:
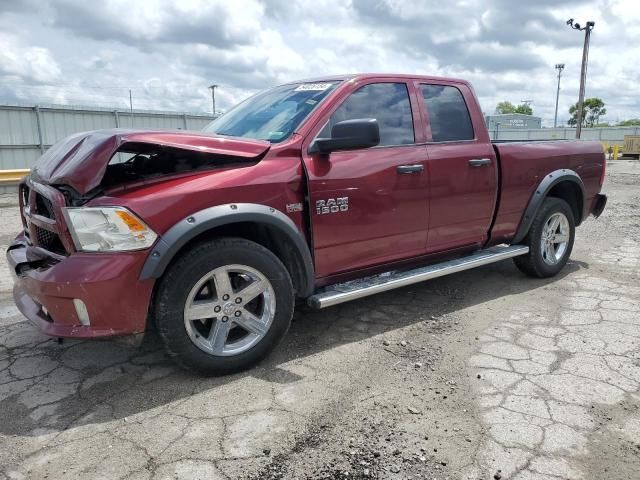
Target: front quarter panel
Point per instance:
(276, 181)
(199, 222)
(269, 192)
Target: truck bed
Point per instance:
(523, 165)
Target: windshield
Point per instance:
(273, 114)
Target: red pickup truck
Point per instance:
(326, 190)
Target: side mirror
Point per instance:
(349, 135)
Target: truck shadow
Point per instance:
(80, 383)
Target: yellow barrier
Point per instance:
(612, 151)
(12, 176)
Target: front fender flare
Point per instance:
(541, 192)
(199, 222)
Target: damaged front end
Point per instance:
(61, 284)
(84, 165)
(66, 292)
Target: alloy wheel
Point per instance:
(555, 238)
(229, 310)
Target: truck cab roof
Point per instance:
(368, 76)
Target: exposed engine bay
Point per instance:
(86, 164)
(135, 162)
(141, 161)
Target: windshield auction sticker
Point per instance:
(318, 87)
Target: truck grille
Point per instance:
(39, 218)
(44, 207)
(49, 241)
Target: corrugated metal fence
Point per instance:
(27, 131)
(609, 135)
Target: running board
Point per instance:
(352, 290)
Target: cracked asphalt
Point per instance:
(485, 374)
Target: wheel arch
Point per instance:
(259, 223)
(564, 184)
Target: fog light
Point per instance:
(81, 310)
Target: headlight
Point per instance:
(107, 229)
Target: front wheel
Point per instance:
(550, 240)
(223, 306)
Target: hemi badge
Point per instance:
(294, 207)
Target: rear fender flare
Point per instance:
(541, 192)
(199, 222)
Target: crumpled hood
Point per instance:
(80, 160)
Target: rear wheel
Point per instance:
(223, 306)
(550, 240)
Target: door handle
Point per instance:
(479, 162)
(410, 168)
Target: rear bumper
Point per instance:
(117, 302)
(598, 204)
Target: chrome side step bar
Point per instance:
(344, 292)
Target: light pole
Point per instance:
(583, 72)
(559, 67)
(213, 97)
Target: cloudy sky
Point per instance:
(167, 52)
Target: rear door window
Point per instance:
(386, 102)
(448, 113)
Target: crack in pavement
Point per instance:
(541, 375)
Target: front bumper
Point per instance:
(598, 204)
(117, 302)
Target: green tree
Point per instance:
(508, 107)
(505, 107)
(632, 122)
(524, 108)
(593, 110)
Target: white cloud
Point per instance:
(26, 63)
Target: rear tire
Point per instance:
(550, 240)
(223, 306)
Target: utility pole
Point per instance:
(583, 71)
(131, 107)
(559, 67)
(213, 97)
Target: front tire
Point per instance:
(223, 306)
(550, 240)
